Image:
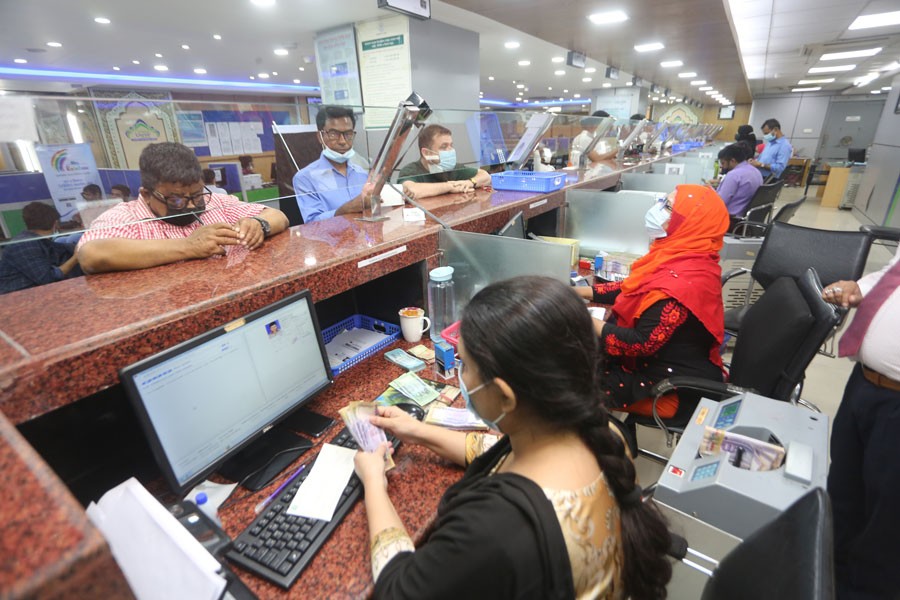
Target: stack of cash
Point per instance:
(743, 451)
(357, 417)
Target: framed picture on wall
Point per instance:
(726, 113)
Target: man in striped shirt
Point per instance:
(174, 218)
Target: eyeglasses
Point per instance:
(667, 205)
(176, 202)
(333, 135)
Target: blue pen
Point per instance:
(264, 503)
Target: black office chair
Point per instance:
(783, 332)
(790, 558)
(782, 215)
(791, 249)
(760, 208)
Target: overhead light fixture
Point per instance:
(524, 63)
(200, 71)
(558, 59)
(490, 78)
(262, 75)
(280, 52)
(253, 77)
(549, 89)
(608, 18)
(712, 92)
(520, 86)
(135, 62)
(576, 95)
(891, 66)
(807, 89)
(216, 36)
(699, 82)
(565, 91)
(559, 72)
(158, 55)
(296, 81)
(655, 98)
(629, 83)
(54, 44)
(20, 61)
(875, 92)
(586, 79)
(185, 47)
(300, 69)
(705, 88)
(607, 84)
(511, 45)
(865, 79)
(590, 70)
(116, 69)
(668, 64)
(649, 47)
(886, 88)
(263, 3)
(815, 81)
(274, 73)
(877, 20)
(102, 20)
(687, 75)
(838, 69)
(852, 54)
(160, 67)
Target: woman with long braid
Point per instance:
(552, 509)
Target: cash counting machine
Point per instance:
(737, 500)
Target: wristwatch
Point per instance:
(267, 229)
(474, 183)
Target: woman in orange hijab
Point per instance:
(666, 317)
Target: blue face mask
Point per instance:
(337, 156)
(656, 219)
(769, 137)
(446, 161)
(467, 396)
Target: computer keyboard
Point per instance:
(278, 546)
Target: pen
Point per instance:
(264, 503)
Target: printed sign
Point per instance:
(67, 169)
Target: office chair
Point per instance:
(790, 558)
(760, 207)
(782, 215)
(783, 332)
(790, 250)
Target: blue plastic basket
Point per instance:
(528, 181)
(361, 322)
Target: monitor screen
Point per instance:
(514, 228)
(221, 179)
(856, 155)
(203, 400)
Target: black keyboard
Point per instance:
(278, 546)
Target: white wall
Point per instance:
(876, 199)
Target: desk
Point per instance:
(834, 189)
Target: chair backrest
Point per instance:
(787, 212)
(789, 558)
(780, 335)
(767, 193)
(790, 250)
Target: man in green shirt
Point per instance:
(435, 172)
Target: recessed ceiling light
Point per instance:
(815, 81)
(116, 69)
(54, 44)
(876, 20)
(560, 72)
(666, 64)
(280, 51)
(490, 78)
(524, 63)
(886, 88)
(687, 75)
(511, 45)
(699, 82)
(20, 61)
(158, 55)
(712, 93)
(576, 95)
(629, 83)
(561, 98)
(875, 92)
(705, 88)
(655, 98)
(549, 89)
(263, 3)
(649, 47)
(296, 81)
(216, 36)
(590, 70)
(586, 79)
(890, 67)
(839, 69)
(520, 86)
(102, 20)
(607, 18)
(161, 67)
(262, 75)
(853, 54)
(807, 89)
(301, 69)
(200, 71)
(565, 91)
(135, 62)
(185, 47)
(275, 73)
(607, 84)
(558, 59)
(252, 77)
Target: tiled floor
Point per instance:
(825, 377)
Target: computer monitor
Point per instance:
(221, 178)
(856, 155)
(210, 403)
(514, 228)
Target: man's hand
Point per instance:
(461, 187)
(250, 233)
(210, 240)
(843, 293)
(755, 163)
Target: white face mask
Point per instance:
(337, 156)
(656, 220)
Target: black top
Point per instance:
(496, 536)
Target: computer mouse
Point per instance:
(413, 409)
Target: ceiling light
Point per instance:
(185, 47)
(890, 67)
(296, 81)
(262, 75)
(301, 69)
(20, 61)
(200, 71)
(629, 83)
(607, 18)
(549, 89)
(161, 67)
(865, 80)
(607, 84)
(280, 51)
(886, 88)
(490, 78)
(560, 98)
(649, 47)
(576, 95)
(853, 54)
(712, 92)
(839, 69)
(263, 3)
(655, 98)
(815, 81)
(520, 85)
(158, 55)
(807, 89)
(102, 20)
(699, 82)
(511, 45)
(587, 79)
(135, 62)
(524, 63)
(705, 88)
(666, 64)
(558, 59)
(876, 20)
(590, 70)
(252, 77)
(875, 92)
(54, 44)
(687, 75)
(560, 72)
(116, 69)
(565, 91)
(274, 73)
(216, 36)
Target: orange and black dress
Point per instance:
(667, 316)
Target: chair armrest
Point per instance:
(882, 233)
(696, 383)
(755, 209)
(732, 273)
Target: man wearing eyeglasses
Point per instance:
(332, 185)
(174, 218)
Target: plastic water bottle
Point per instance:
(203, 503)
(441, 301)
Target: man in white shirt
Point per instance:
(209, 180)
(864, 478)
(583, 140)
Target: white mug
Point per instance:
(411, 323)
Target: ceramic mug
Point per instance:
(413, 323)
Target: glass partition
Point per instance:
(611, 222)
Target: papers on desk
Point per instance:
(391, 197)
(157, 555)
(454, 418)
(348, 344)
(319, 494)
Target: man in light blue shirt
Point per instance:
(331, 185)
(775, 156)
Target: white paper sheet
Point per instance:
(317, 498)
(391, 197)
(158, 556)
(348, 344)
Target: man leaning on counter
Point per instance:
(436, 173)
(174, 218)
